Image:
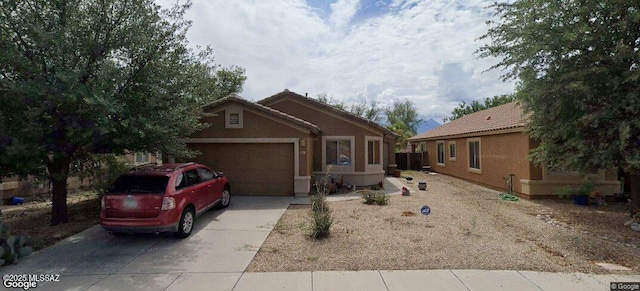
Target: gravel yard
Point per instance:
(469, 228)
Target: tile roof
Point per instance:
(236, 98)
(327, 107)
(501, 117)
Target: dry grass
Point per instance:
(469, 228)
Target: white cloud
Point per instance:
(342, 12)
(420, 50)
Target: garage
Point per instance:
(252, 168)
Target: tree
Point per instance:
(80, 77)
(402, 118)
(578, 68)
(475, 106)
(372, 111)
(324, 98)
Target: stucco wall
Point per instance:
(507, 153)
(330, 125)
(258, 125)
(255, 125)
(500, 155)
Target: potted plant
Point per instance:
(635, 224)
(580, 195)
(339, 182)
(422, 185)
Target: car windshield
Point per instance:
(139, 184)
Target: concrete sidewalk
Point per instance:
(391, 185)
(340, 280)
(426, 280)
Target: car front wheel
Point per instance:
(186, 223)
(225, 200)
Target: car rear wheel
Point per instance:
(186, 223)
(225, 200)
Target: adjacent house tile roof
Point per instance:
(236, 98)
(287, 93)
(501, 117)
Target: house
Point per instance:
(33, 187)
(489, 146)
(275, 146)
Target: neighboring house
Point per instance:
(141, 158)
(32, 187)
(487, 146)
(275, 146)
(28, 188)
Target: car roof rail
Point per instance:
(137, 167)
(184, 165)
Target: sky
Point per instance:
(353, 50)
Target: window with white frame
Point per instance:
(140, 158)
(452, 151)
(373, 152)
(474, 154)
(440, 152)
(338, 152)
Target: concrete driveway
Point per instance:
(220, 248)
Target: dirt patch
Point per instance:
(469, 228)
(33, 218)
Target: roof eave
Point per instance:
(273, 112)
(496, 131)
(333, 109)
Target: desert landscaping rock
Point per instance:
(469, 228)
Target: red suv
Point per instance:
(163, 198)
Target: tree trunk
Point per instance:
(58, 167)
(59, 211)
(634, 206)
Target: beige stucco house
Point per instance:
(275, 146)
(487, 146)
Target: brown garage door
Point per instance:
(252, 169)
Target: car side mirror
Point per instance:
(220, 174)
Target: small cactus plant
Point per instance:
(13, 247)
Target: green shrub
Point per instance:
(321, 222)
(569, 191)
(13, 247)
(101, 170)
(381, 198)
(319, 203)
(369, 197)
(375, 197)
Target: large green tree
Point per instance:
(578, 66)
(402, 118)
(475, 106)
(371, 111)
(79, 77)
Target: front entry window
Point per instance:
(373, 152)
(339, 152)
